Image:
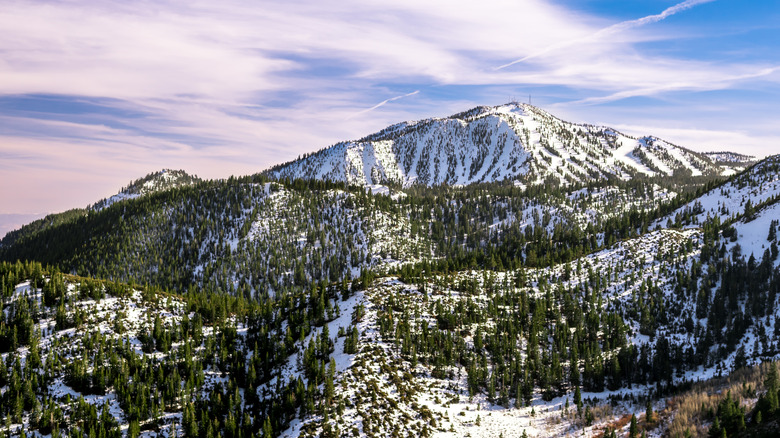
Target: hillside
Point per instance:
(154, 182)
(151, 183)
(752, 189)
(259, 306)
(493, 353)
(433, 348)
(251, 235)
(514, 141)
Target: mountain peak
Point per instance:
(513, 141)
(160, 180)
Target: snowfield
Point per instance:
(485, 144)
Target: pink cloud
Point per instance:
(208, 71)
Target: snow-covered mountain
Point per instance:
(154, 182)
(514, 141)
(306, 308)
(756, 187)
(699, 297)
(731, 157)
(731, 162)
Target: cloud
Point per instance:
(237, 86)
(687, 4)
(240, 53)
(609, 31)
(384, 102)
(713, 82)
(238, 48)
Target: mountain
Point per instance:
(730, 157)
(151, 183)
(514, 141)
(752, 189)
(14, 221)
(32, 228)
(731, 162)
(667, 308)
(270, 306)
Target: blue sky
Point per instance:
(95, 94)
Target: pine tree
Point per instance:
(715, 430)
(649, 415)
(330, 390)
(588, 416)
(772, 384)
(770, 401)
(633, 430)
(749, 210)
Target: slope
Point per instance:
(751, 189)
(280, 329)
(238, 236)
(513, 141)
(575, 348)
(319, 309)
(152, 183)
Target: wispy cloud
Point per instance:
(716, 82)
(384, 102)
(687, 4)
(238, 86)
(609, 31)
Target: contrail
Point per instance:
(647, 91)
(615, 28)
(384, 102)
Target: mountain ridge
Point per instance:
(304, 307)
(153, 182)
(486, 144)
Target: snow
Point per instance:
(119, 197)
(514, 141)
(759, 184)
(291, 371)
(658, 164)
(675, 152)
(135, 313)
(378, 189)
(453, 413)
(153, 182)
(752, 235)
(730, 157)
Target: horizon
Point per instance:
(87, 102)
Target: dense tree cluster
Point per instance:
(221, 288)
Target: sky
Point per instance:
(94, 94)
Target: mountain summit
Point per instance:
(515, 141)
(154, 182)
